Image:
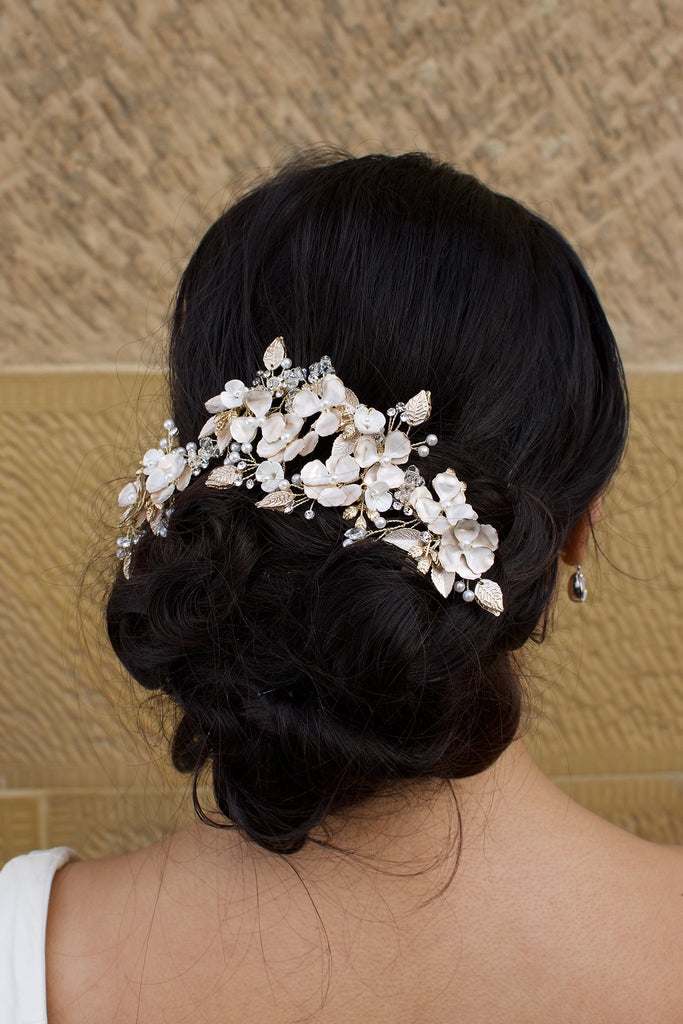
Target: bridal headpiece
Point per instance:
(256, 429)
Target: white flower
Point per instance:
(258, 401)
(269, 474)
(331, 483)
(129, 494)
(151, 457)
(279, 436)
(368, 421)
(232, 397)
(379, 481)
(166, 475)
(396, 450)
(467, 548)
(451, 509)
(332, 393)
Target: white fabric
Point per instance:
(25, 884)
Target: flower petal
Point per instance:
(333, 389)
(327, 422)
(310, 440)
(456, 513)
(306, 403)
(479, 560)
(427, 509)
(448, 487)
(128, 495)
(344, 467)
(258, 401)
(269, 449)
(233, 394)
(453, 560)
(380, 502)
(315, 474)
(273, 426)
(215, 405)
(244, 428)
(365, 452)
(333, 496)
(397, 446)
(391, 475)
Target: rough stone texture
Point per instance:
(606, 690)
(124, 125)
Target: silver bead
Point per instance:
(286, 363)
(431, 440)
(169, 425)
(423, 451)
(468, 595)
(380, 522)
(460, 587)
(246, 447)
(309, 514)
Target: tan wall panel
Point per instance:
(606, 690)
(124, 125)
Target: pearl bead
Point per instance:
(431, 439)
(385, 460)
(246, 447)
(423, 451)
(234, 457)
(460, 587)
(380, 522)
(286, 363)
(234, 446)
(169, 424)
(283, 485)
(163, 443)
(468, 596)
(324, 403)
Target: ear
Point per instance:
(576, 544)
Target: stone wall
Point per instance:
(126, 129)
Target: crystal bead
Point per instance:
(238, 481)
(425, 537)
(289, 508)
(309, 514)
(355, 533)
(120, 540)
(460, 587)
(249, 484)
(279, 393)
(396, 505)
(126, 543)
(468, 595)
(120, 553)
(391, 412)
(407, 510)
(423, 451)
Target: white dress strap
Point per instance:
(25, 884)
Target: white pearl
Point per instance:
(246, 447)
(431, 439)
(286, 363)
(234, 457)
(324, 403)
(380, 522)
(423, 451)
(468, 596)
(283, 485)
(385, 459)
(169, 424)
(460, 586)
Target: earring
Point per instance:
(578, 591)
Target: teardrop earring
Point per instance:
(578, 591)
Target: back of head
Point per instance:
(309, 675)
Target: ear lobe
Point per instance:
(576, 544)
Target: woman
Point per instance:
(330, 580)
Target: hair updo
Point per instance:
(308, 675)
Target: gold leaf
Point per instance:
(341, 446)
(276, 499)
(489, 595)
(419, 408)
(404, 538)
(442, 579)
(350, 511)
(350, 430)
(417, 551)
(222, 476)
(274, 354)
(423, 566)
(360, 523)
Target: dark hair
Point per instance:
(311, 675)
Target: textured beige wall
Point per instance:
(125, 128)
